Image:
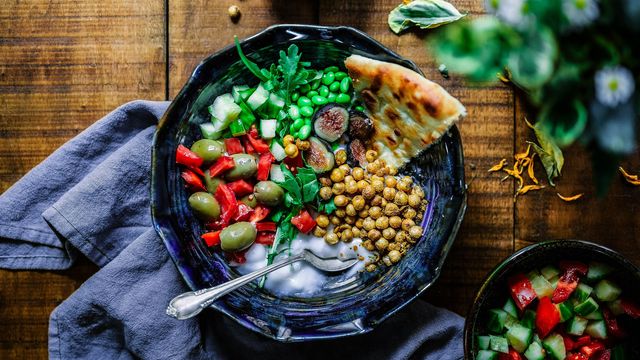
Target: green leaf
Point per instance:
(253, 67)
(549, 153)
(532, 63)
(293, 73)
(425, 14)
(310, 190)
(290, 184)
(564, 121)
(327, 207)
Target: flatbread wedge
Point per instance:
(409, 112)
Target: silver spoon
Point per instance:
(191, 303)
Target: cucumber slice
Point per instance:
(576, 325)
(534, 352)
(554, 345)
(258, 98)
(497, 317)
(238, 92)
(268, 128)
(554, 282)
(566, 311)
(499, 344)
(586, 307)
(550, 272)
(510, 308)
(582, 292)
(209, 131)
(533, 273)
(487, 355)
(519, 337)
(223, 111)
(277, 151)
(528, 319)
(483, 342)
(596, 315)
(597, 271)
(510, 322)
(605, 290)
(276, 174)
(541, 286)
(597, 329)
(616, 307)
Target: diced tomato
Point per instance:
(237, 257)
(592, 348)
(521, 290)
(240, 187)
(569, 344)
(254, 139)
(264, 166)
(188, 158)
(303, 221)
(576, 356)
(193, 181)
(221, 165)
(566, 285)
(228, 203)
(211, 238)
(630, 308)
(233, 146)
(294, 163)
(266, 226)
(582, 341)
(603, 355)
(243, 213)
(613, 328)
(259, 214)
(573, 266)
(265, 238)
(547, 317)
(512, 355)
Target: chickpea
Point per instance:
(383, 203)
(350, 210)
(338, 188)
(346, 169)
(415, 232)
(325, 181)
(381, 244)
(362, 184)
(375, 212)
(319, 232)
(389, 193)
(359, 223)
(371, 155)
(358, 202)
(394, 256)
(372, 167)
(351, 187)
(368, 192)
(388, 233)
(341, 157)
(335, 220)
(386, 260)
(356, 232)
(407, 224)
(403, 185)
(376, 178)
(371, 267)
(401, 199)
(390, 181)
(368, 244)
(348, 179)
(393, 246)
(381, 172)
(368, 224)
(378, 185)
(395, 222)
(381, 162)
(337, 175)
(350, 220)
(291, 150)
(322, 220)
(417, 190)
(374, 234)
(410, 213)
(341, 213)
(377, 200)
(346, 235)
(358, 173)
(287, 139)
(325, 193)
(401, 236)
(392, 170)
(331, 238)
(363, 213)
(414, 201)
(303, 145)
(391, 209)
(340, 200)
(382, 222)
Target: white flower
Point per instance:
(614, 85)
(512, 12)
(580, 12)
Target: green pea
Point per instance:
(335, 86)
(343, 99)
(341, 75)
(328, 78)
(331, 69)
(306, 111)
(298, 124)
(312, 93)
(323, 91)
(303, 101)
(345, 84)
(305, 88)
(319, 100)
(295, 96)
(307, 121)
(304, 132)
(292, 129)
(315, 84)
(360, 108)
(331, 98)
(295, 135)
(294, 112)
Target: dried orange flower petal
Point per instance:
(526, 189)
(498, 166)
(530, 170)
(570, 198)
(523, 155)
(631, 179)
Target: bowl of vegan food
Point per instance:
(569, 299)
(318, 138)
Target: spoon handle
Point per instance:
(191, 303)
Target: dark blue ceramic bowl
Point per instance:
(343, 311)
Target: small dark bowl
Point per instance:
(349, 308)
(494, 291)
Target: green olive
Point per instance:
(268, 193)
(209, 150)
(204, 205)
(211, 183)
(238, 236)
(250, 200)
(245, 167)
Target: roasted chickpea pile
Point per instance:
(293, 146)
(373, 204)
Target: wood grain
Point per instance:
(63, 65)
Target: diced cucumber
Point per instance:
(582, 292)
(605, 290)
(487, 355)
(224, 110)
(281, 115)
(499, 344)
(510, 308)
(534, 352)
(554, 345)
(209, 131)
(576, 325)
(268, 128)
(276, 101)
(519, 337)
(238, 91)
(550, 272)
(258, 98)
(277, 151)
(510, 321)
(586, 307)
(597, 271)
(616, 307)
(483, 342)
(497, 317)
(541, 286)
(597, 329)
(566, 311)
(537, 339)
(554, 282)
(276, 174)
(596, 315)
(533, 273)
(528, 319)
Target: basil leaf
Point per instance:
(549, 153)
(290, 184)
(310, 190)
(329, 207)
(425, 14)
(253, 67)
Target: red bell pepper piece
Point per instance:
(266, 226)
(188, 158)
(259, 145)
(582, 341)
(294, 163)
(265, 238)
(228, 203)
(247, 146)
(212, 238)
(577, 356)
(569, 344)
(216, 225)
(243, 213)
(240, 187)
(547, 317)
(193, 181)
(591, 349)
(221, 165)
(233, 146)
(264, 166)
(630, 308)
(567, 283)
(603, 355)
(303, 221)
(521, 290)
(613, 328)
(259, 214)
(237, 257)
(574, 266)
(512, 355)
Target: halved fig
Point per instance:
(330, 122)
(356, 153)
(319, 157)
(360, 126)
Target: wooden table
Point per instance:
(65, 64)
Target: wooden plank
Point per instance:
(63, 65)
(486, 235)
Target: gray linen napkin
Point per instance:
(91, 196)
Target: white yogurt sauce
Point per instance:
(301, 279)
